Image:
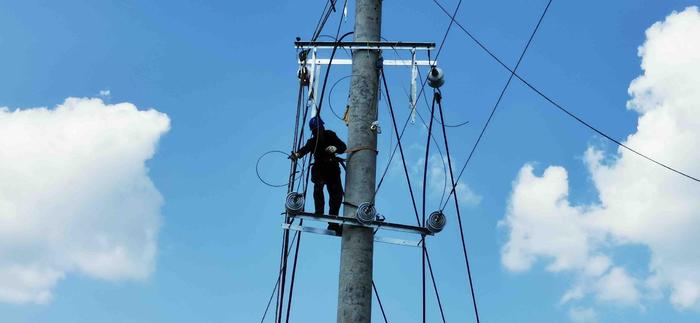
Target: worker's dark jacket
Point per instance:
(325, 138)
(325, 171)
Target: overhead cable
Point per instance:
(447, 32)
(283, 264)
(379, 300)
(498, 101)
(277, 283)
(425, 182)
(408, 179)
(561, 107)
(294, 274)
(438, 98)
(432, 277)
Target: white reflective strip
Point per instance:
(414, 76)
(395, 241)
(309, 229)
(400, 242)
(388, 62)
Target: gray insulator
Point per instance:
(436, 78)
(294, 203)
(436, 222)
(366, 213)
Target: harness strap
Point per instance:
(356, 149)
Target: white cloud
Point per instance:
(538, 207)
(618, 286)
(466, 195)
(583, 315)
(439, 185)
(641, 204)
(75, 195)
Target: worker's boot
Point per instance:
(336, 227)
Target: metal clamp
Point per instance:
(374, 126)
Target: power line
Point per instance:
(425, 99)
(285, 234)
(432, 277)
(275, 289)
(294, 275)
(283, 263)
(257, 168)
(438, 99)
(330, 96)
(444, 37)
(408, 182)
(308, 172)
(379, 300)
(442, 44)
(327, 10)
(500, 97)
(559, 106)
(395, 149)
(425, 181)
(457, 125)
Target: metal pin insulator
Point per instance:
(294, 203)
(436, 78)
(366, 213)
(436, 222)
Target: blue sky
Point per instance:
(224, 73)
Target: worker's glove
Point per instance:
(294, 156)
(331, 149)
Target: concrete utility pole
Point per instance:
(357, 246)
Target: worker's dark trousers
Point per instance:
(327, 174)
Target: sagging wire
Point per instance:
(457, 125)
(257, 168)
(379, 300)
(330, 96)
(308, 168)
(393, 154)
(408, 182)
(425, 181)
(425, 99)
(275, 289)
(442, 157)
(294, 274)
(438, 98)
(500, 96)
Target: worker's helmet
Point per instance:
(315, 122)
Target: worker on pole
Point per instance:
(325, 169)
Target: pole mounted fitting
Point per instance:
(303, 72)
(303, 75)
(366, 213)
(294, 203)
(380, 63)
(374, 126)
(436, 222)
(436, 78)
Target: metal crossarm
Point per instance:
(373, 224)
(365, 45)
(386, 62)
(400, 242)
